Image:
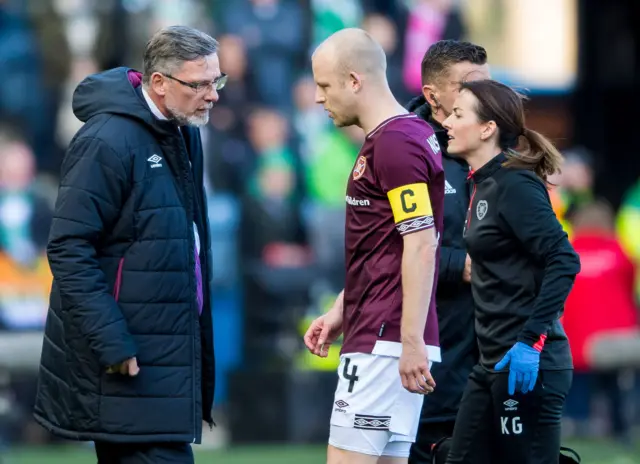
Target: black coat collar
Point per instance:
(488, 169)
(420, 106)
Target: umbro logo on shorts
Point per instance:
(371, 422)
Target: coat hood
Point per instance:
(115, 92)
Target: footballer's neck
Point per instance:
(379, 109)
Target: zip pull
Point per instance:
(381, 331)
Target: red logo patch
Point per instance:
(361, 166)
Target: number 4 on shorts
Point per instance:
(350, 376)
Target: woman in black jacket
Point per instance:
(523, 267)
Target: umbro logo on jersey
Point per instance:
(155, 161)
(448, 189)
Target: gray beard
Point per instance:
(184, 120)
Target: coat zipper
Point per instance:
(184, 179)
(116, 287)
(190, 182)
(467, 222)
(193, 325)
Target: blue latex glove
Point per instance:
(524, 362)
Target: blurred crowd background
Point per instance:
(276, 173)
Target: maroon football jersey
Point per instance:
(396, 188)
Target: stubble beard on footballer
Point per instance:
(344, 121)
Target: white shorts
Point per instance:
(372, 412)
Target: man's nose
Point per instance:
(212, 96)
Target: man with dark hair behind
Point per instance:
(445, 65)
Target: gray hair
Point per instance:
(171, 47)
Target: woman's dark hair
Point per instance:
(503, 105)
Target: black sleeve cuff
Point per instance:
(451, 264)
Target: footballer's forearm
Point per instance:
(418, 272)
(339, 303)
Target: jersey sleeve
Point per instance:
(402, 168)
(526, 209)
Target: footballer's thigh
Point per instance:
(340, 456)
(373, 415)
(392, 460)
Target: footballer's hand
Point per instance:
(466, 274)
(128, 367)
(323, 332)
(414, 370)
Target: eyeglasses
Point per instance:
(201, 87)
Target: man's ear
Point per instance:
(431, 95)
(158, 83)
(356, 81)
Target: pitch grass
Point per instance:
(592, 452)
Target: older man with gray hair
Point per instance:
(127, 360)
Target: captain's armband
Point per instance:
(411, 208)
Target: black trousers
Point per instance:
(493, 427)
(429, 433)
(151, 453)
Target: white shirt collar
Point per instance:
(152, 106)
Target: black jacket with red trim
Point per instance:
(523, 266)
